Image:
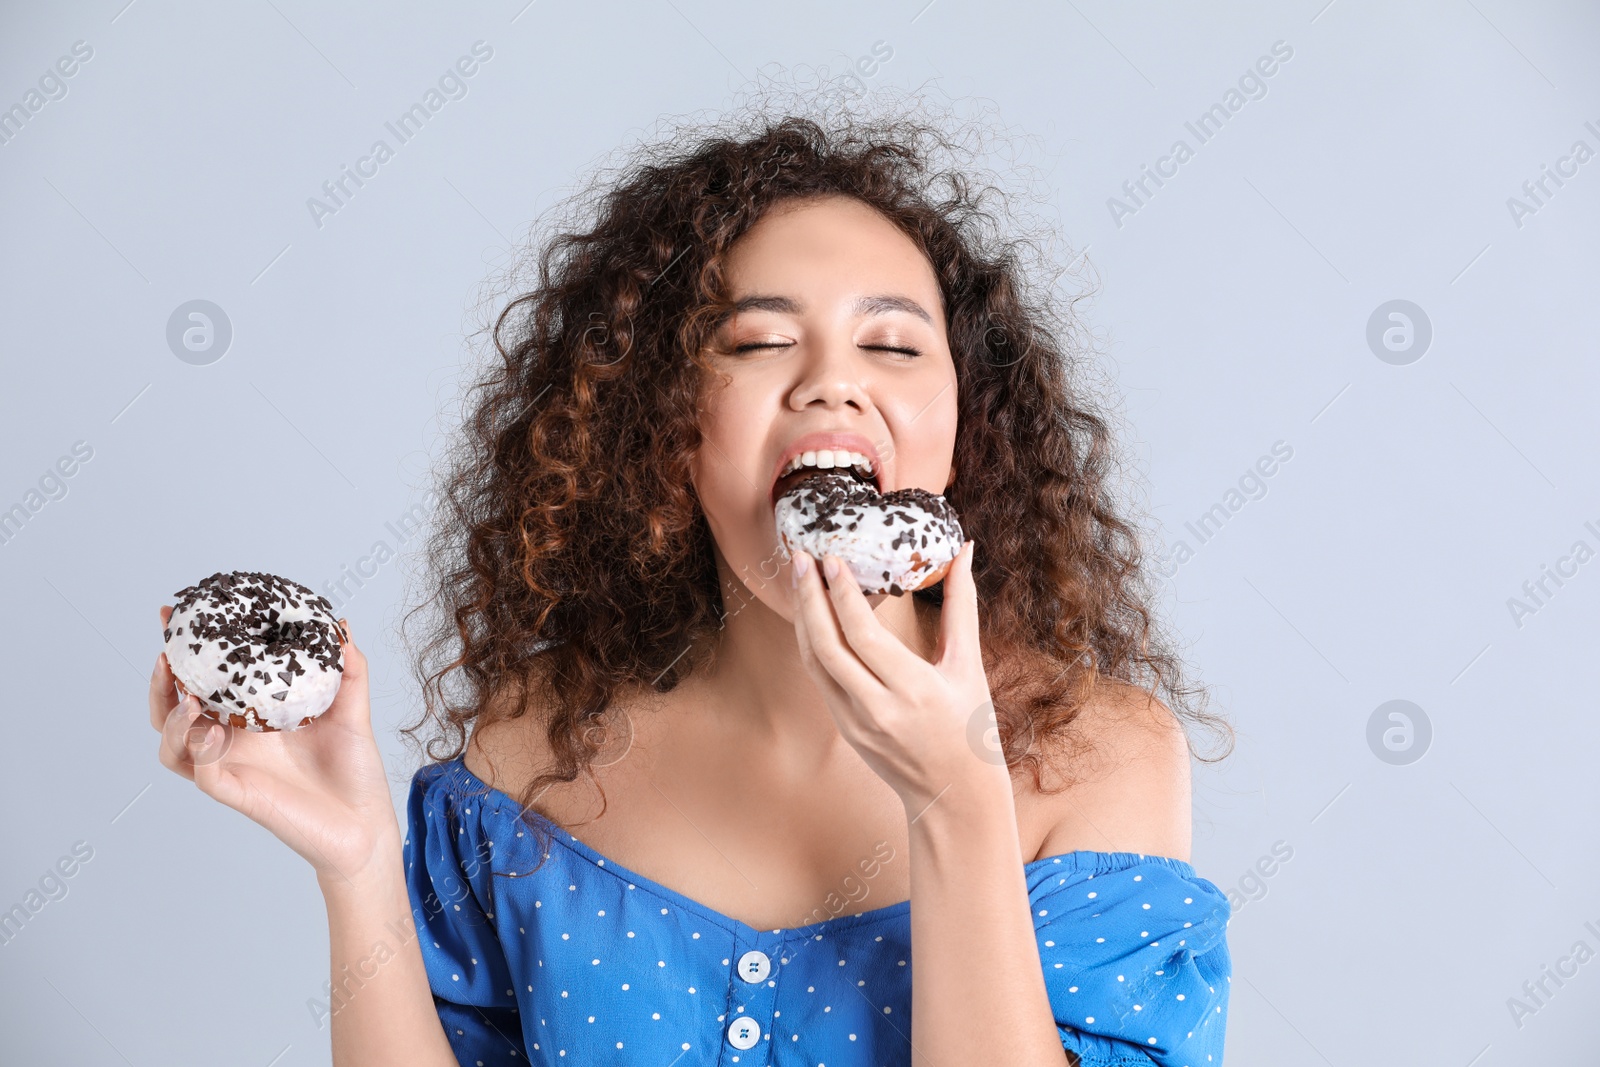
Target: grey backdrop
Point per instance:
(1416, 488)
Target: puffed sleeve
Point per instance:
(1135, 958)
(449, 881)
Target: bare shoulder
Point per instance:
(507, 750)
(1126, 759)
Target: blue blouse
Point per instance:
(585, 962)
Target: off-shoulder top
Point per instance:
(564, 957)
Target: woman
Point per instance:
(693, 799)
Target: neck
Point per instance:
(756, 685)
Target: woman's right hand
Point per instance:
(321, 789)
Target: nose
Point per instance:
(830, 375)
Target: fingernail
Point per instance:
(802, 564)
(830, 567)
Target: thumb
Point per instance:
(352, 703)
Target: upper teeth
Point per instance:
(826, 459)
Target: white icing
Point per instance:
(208, 670)
(868, 549)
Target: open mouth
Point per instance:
(861, 473)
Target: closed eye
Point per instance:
(910, 353)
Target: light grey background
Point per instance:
(1232, 314)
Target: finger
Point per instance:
(352, 701)
(174, 751)
(885, 655)
(163, 694)
(827, 641)
(218, 777)
(958, 618)
(831, 691)
(166, 614)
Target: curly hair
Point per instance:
(570, 558)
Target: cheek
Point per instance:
(924, 442)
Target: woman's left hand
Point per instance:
(912, 721)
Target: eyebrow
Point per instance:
(881, 304)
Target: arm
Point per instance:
(323, 792)
(978, 995)
(979, 980)
(380, 1006)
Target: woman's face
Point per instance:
(842, 330)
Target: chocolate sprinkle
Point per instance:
(837, 503)
(244, 619)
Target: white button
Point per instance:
(744, 1032)
(754, 965)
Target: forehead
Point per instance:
(825, 244)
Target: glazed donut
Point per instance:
(894, 543)
(258, 651)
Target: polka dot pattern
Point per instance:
(1135, 957)
(563, 956)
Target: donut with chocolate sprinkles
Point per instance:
(893, 543)
(258, 651)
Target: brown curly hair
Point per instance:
(570, 558)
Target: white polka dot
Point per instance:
(1090, 1019)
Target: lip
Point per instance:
(815, 442)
